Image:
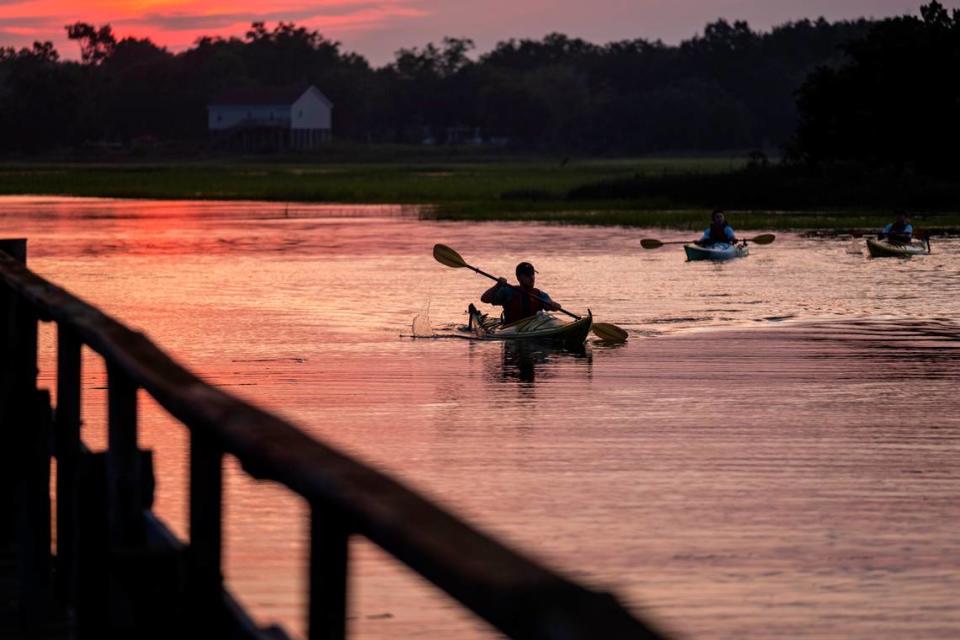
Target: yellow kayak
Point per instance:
(886, 249)
(543, 326)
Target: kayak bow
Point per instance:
(718, 251)
(885, 249)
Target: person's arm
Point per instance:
(548, 302)
(493, 294)
(703, 239)
(731, 236)
(886, 230)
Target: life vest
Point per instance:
(718, 234)
(899, 227)
(522, 305)
(898, 232)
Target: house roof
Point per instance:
(262, 96)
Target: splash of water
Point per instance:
(421, 322)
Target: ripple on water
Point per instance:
(774, 453)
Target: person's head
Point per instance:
(717, 217)
(526, 274)
(902, 216)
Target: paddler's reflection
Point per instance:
(528, 362)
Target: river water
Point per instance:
(774, 453)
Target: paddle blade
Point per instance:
(609, 332)
(766, 238)
(447, 256)
(650, 243)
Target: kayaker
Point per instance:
(718, 231)
(522, 301)
(900, 231)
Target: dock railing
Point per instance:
(120, 572)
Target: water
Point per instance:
(774, 453)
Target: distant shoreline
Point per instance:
(670, 193)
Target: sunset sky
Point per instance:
(377, 28)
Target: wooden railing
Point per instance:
(119, 570)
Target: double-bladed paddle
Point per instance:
(450, 258)
(650, 243)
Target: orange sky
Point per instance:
(377, 28)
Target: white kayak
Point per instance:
(718, 251)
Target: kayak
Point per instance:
(885, 249)
(543, 326)
(718, 251)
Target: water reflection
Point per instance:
(527, 361)
(751, 512)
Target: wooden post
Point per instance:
(13, 373)
(123, 462)
(18, 345)
(206, 532)
(93, 580)
(68, 445)
(24, 426)
(329, 550)
(33, 511)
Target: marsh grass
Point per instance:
(650, 192)
(441, 183)
(842, 221)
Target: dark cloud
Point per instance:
(184, 22)
(17, 40)
(31, 22)
(192, 22)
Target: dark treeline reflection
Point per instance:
(731, 87)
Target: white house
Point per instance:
(298, 117)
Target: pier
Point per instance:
(119, 571)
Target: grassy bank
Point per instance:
(697, 219)
(671, 192)
(449, 184)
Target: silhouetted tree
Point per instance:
(730, 87)
(41, 101)
(895, 104)
(95, 44)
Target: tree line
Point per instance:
(895, 102)
(730, 88)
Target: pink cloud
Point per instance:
(377, 28)
(178, 23)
